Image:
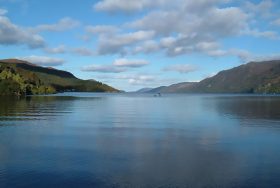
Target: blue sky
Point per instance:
(140, 43)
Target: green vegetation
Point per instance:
(12, 82)
(22, 78)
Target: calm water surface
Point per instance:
(128, 140)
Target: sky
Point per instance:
(133, 44)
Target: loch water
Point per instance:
(138, 140)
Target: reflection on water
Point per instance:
(105, 140)
(35, 108)
(32, 108)
(256, 109)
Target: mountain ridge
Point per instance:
(19, 77)
(253, 77)
(33, 67)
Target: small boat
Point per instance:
(157, 95)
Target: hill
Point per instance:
(174, 88)
(144, 90)
(23, 78)
(253, 77)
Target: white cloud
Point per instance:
(263, 8)
(11, 34)
(82, 51)
(265, 57)
(257, 58)
(101, 29)
(137, 79)
(245, 56)
(141, 79)
(266, 34)
(119, 65)
(130, 63)
(3, 12)
(127, 6)
(62, 25)
(276, 22)
(140, 5)
(145, 80)
(56, 50)
(120, 43)
(92, 31)
(179, 27)
(42, 60)
(213, 22)
(103, 69)
(216, 53)
(146, 47)
(180, 68)
(184, 44)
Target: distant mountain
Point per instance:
(254, 77)
(21, 77)
(174, 88)
(143, 90)
(157, 89)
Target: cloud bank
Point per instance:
(42, 60)
(180, 68)
(118, 66)
(179, 27)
